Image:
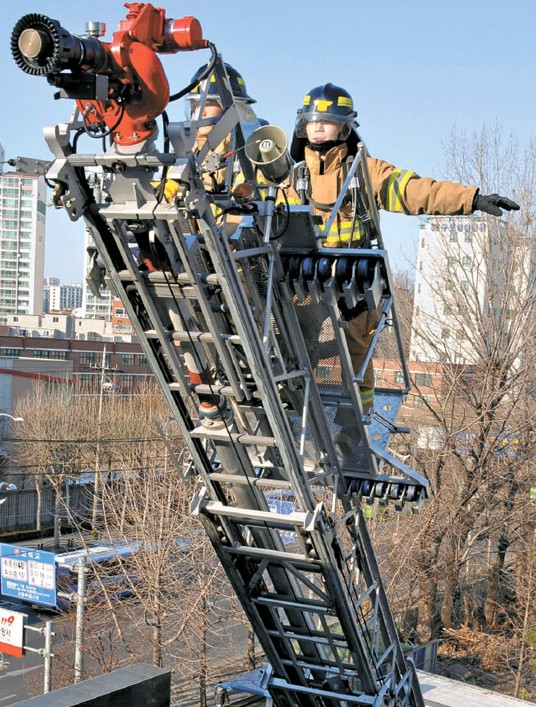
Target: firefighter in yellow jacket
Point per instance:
(215, 181)
(325, 139)
(220, 173)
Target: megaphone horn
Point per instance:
(266, 148)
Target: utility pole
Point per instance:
(79, 633)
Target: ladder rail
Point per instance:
(308, 580)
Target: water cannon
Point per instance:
(120, 87)
(42, 47)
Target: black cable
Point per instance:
(98, 126)
(206, 72)
(286, 222)
(165, 125)
(77, 134)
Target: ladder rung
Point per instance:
(277, 557)
(319, 637)
(182, 278)
(204, 389)
(310, 606)
(237, 437)
(250, 481)
(325, 666)
(269, 519)
(214, 389)
(203, 336)
(176, 387)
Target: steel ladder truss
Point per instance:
(218, 318)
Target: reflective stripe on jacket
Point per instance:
(396, 190)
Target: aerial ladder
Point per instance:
(243, 330)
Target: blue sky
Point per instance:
(416, 70)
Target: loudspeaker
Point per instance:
(266, 148)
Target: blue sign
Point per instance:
(28, 574)
(286, 507)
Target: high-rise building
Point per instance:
(22, 243)
(474, 288)
(451, 284)
(106, 306)
(94, 307)
(58, 297)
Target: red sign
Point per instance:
(11, 632)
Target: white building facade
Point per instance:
(61, 297)
(94, 307)
(451, 282)
(22, 243)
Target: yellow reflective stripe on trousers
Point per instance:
(367, 397)
(396, 187)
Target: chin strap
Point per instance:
(322, 147)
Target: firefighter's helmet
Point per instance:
(238, 86)
(327, 103)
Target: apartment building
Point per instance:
(451, 283)
(58, 297)
(22, 243)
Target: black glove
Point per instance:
(493, 203)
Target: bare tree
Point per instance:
(479, 338)
(53, 440)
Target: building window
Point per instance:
(41, 353)
(423, 379)
(453, 237)
(468, 237)
(60, 355)
(466, 262)
(11, 352)
(445, 333)
(399, 377)
(128, 359)
(419, 288)
(127, 380)
(87, 357)
(143, 360)
(323, 372)
(465, 285)
(55, 320)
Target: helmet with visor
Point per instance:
(329, 104)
